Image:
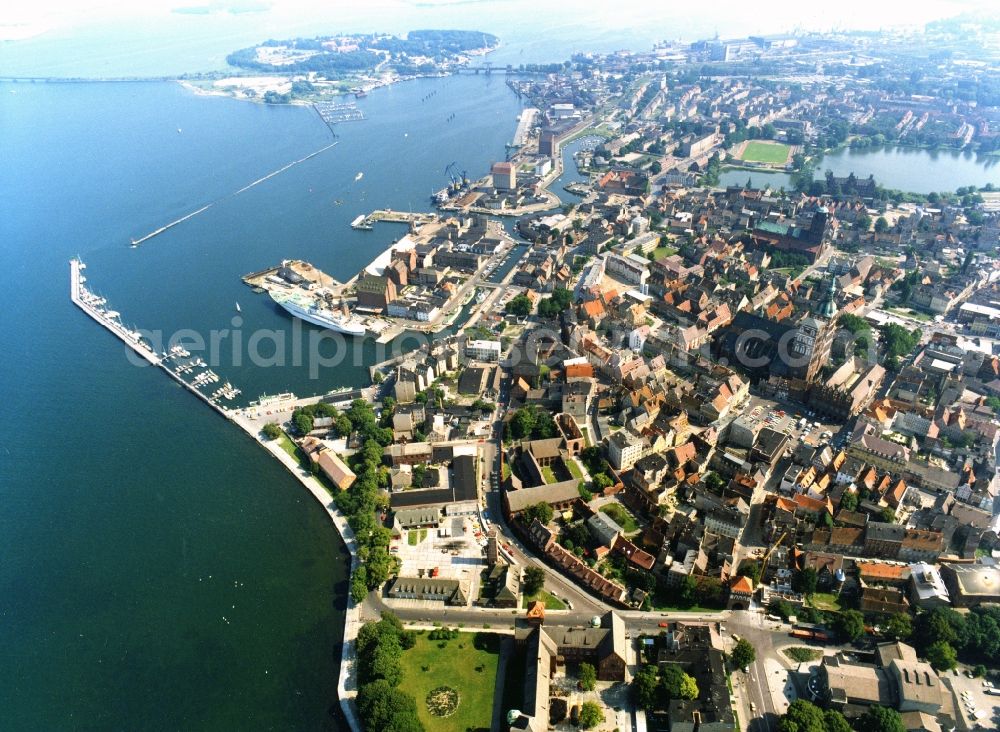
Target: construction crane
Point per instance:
(767, 556)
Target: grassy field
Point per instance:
(551, 602)
(292, 449)
(550, 477)
(765, 152)
(468, 664)
(574, 469)
(296, 453)
(669, 608)
(915, 314)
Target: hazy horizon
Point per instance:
(178, 36)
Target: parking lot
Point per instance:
(796, 420)
(974, 707)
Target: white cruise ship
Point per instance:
(306, 308)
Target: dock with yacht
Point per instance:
(176, 362)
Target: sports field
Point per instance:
(756, 151)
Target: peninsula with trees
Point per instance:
(305, 70)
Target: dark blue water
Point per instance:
(159, 569)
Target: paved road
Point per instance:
(766, 679)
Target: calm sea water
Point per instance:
(157, 569)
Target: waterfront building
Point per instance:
(504, 176)
(375, 292)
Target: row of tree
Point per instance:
(530, 422)
(944, 636)
(304, 419)
(381, 704)
(364, 499)
(804, 716)
(653, 687)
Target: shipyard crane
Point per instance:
(450, 171)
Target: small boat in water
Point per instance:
(359, 176)
(238, 308)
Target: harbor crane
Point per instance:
(450, 170)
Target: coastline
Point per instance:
(346, 686)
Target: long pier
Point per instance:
(528, 116)
(182, 219)
(91, 304)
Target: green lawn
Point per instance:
(415, 536)
(548, 474)
(551, 602)
(296, 452)
(454, 665)
(293, 450)
(915, 314)
(661, 608)
(765, 152)
(505, 471)
(574, 469)
(661, 252)
(621, 517)
(824, 601)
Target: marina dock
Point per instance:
(367, 223)
(93, 305)
(172, 363)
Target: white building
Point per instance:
(488, 351)
(624, 449)
(637, 338)
(927, 588)
(632, 268)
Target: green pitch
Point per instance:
(765, 152)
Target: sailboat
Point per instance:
(238, 308)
